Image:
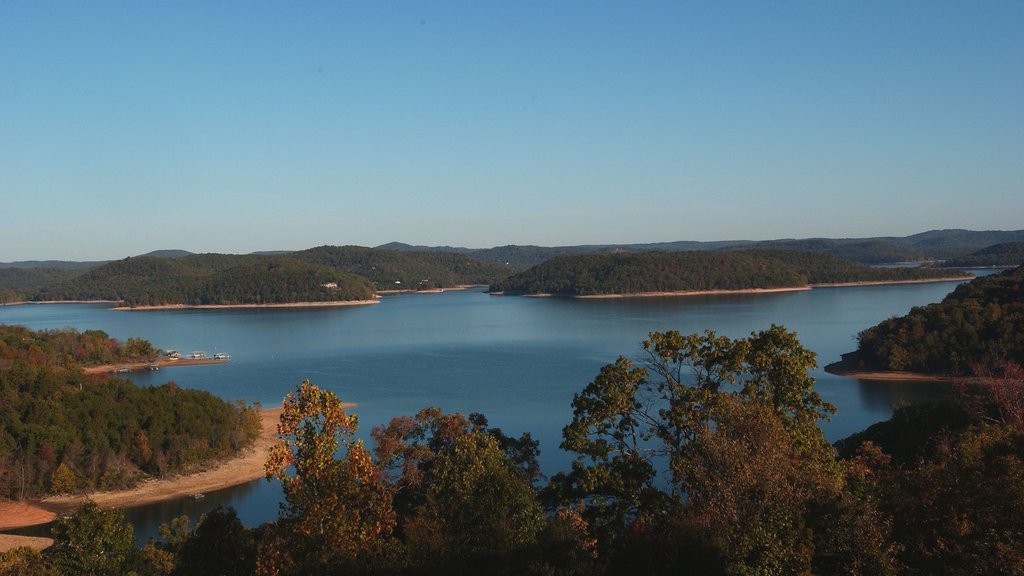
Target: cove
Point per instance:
(517, 360)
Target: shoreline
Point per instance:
(676, 293)
(846, 368)
(162, 362)
(328, 304)
(245, 467)
(717, 292)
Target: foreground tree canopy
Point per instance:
(704, 456)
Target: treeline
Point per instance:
(210, 279)
(634, 273)
(1003, 254)
(980, 324)
(324, 274)
(706, 457)
(402, 270)
(63, 431)
(18, 284)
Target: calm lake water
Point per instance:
(517, 360)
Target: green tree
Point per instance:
(632, 419)
(93, 541)
(478, 512)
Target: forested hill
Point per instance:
(324, 274)
(402, 270)
(204, 279)
(979, 325)
(62, 430)
(647, 272)
(930, 245)
(1002, 254)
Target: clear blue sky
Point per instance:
(240, 126)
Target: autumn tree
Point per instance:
(336, 509)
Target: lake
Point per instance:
(517, 360)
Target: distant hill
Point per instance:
(943, 244)
(1002, 254)
(201, 279)
(16, 284)
(651, 272)
(927, 246)
(324, 274)
(399, 269)
(168, 253)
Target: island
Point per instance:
(686, 273)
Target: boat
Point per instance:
(221, 356)
(153, 367)
(198, 496)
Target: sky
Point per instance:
(234, 127)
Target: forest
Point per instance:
(974, 330)
(635, 273)
(705, 456)
(65, 431)
(1003, 254)
(324, 274)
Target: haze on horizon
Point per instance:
(237, 127)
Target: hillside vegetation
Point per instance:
(395, 269)
(637, 273)
(979, 326)
(203, 279)
(1002, 254)
(62, 430)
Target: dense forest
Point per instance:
(324, 274)
(394, 269)
(975, 329)
(16, 284)
(635, 273)
(1003, 254)
(62, 430)
(210, 279)
(705, 456)
(926, 246)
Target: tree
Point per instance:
(335, 510)
(93, 541)
(219, 546)
(631, 419)
(478, 512)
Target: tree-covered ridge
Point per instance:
(979, 323)
(324, 274)
(402, 270)
(200, 279)
(1003, 254)
(636, 273)
(62, 430)
(16, 284)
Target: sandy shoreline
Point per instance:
(244, 468)
(689, 293)
(161, 363)
(664, 294)
(847, 367)
(330, 304)
(888, 282)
